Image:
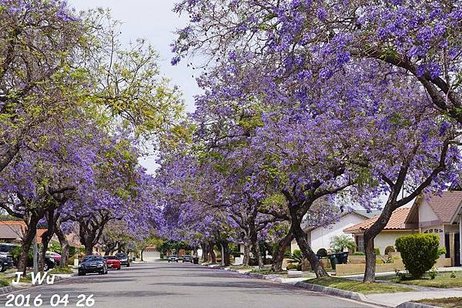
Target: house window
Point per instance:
(433, 231)
(359, 242)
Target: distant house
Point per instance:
(321, 237)
(441, 215)
(396, 227)
(11, 231)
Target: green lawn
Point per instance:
(357, 286)
(442, 280)
(449, 302)
(61, 270)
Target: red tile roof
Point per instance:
(446, 206)
(396, 222)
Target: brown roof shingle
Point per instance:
(396, 222)
(446, 205)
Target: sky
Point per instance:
(154, 21)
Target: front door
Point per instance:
(447, 245)
(457, 249)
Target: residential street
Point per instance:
(180, 285)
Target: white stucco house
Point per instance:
(321, 237)
(442, 215)
(396, 227)
(439, 214)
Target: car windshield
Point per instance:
(6, 248)
(92, 258)
(121, 255)
(110, 257)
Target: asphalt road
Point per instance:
(174, 285)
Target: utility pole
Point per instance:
(35, 255)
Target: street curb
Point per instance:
(331, 291)
(11, 288)
(273, 278)
(415, 305)
(314, 288)
(7, 289)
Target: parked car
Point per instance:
(55, 256)
(5, 263)
(173, 258)
(5, 255)
(123, 258)
(113, 262)
(92, 264)
(6, 252)
(187, 258)
(49, 263)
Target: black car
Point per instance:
(5, 253)
(187, 259)
(92, 264)
(123, 258)
(5, 256)
(5, 263)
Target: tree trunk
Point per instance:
(213, 256)
(255, 245)
(45, 241)
(89, 248)
(223, 257)
(279, 251)
(27, 242)
(369, 236)
(46, 238)
(64, 246)
(369, 273)
(205, 252)
(300, 237)
(258, 254)
(225, 253)
(246, 257)
(141, 255)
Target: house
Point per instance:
(442, 215)
(438, 214)
(397, 226)
(321, 237)
(11, 231)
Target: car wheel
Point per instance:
(46, 267)
(2, 268)
(82, 273)
(128, 264)
(119, 268)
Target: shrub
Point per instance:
(419, 252)
(432, 273)
(389, 249)
(358, 253)
(377, 251)
(340, 242)
(297, 256)
(292, 266)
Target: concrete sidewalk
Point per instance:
(394, 299)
